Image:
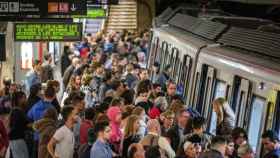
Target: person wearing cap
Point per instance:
(245, 151)
(270, 143)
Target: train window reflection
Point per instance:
(257, 108)
(220, 91)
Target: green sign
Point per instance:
(48, 31)
(93, 14)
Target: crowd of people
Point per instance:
(113, 106)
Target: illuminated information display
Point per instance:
(48, 31)
(93, 14)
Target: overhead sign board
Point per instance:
(20, 7)
(67, 7)
(47, 31)
(42, 8)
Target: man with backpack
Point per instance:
(153, 138)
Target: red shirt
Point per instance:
(85, 126)
(154, 113)
(4, 139)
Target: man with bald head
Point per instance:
(154, 138)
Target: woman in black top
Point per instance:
(130, 134)
(18, 127)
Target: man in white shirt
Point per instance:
(62, 143)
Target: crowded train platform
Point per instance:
(181, 88)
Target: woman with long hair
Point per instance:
(225, 116)
(75, 83)
(130, 133)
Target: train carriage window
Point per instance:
(256, 117)
(221, 89)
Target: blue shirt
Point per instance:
(273, 154)
(100, 150)
(37, 112)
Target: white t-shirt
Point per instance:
(66, 141)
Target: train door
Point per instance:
(256, 117)
(241, 98)
(205, 89)
(223, 85)
(252, 108)
(220, 91)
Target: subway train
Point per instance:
(217, 57)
